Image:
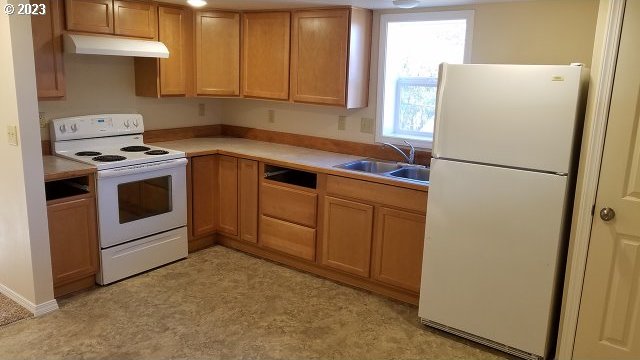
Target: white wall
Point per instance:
(106, 84)
(531, 32)
(25, 264)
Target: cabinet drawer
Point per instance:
(289, 204)
(289, 238)
(377, 193)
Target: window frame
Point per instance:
(385, 19)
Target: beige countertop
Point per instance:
(56, 168)
(285, 155)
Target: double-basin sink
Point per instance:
(391, 169)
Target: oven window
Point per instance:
(145, 198)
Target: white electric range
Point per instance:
(141, 191)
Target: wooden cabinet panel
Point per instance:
(73, 240)
(346, 243)
(319, 53)
(289, 238)
(377, 193)
(248, 173)
(94, 16)
(289, 204)
(217, 53)
(204, 180)
(265, 54)
(135, 19)
(171, 31)
(228, 195)
(398, 243)
(47, 50)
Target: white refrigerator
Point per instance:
(501, 188)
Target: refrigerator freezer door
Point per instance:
(491, 252)
(513, 115)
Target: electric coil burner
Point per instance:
(135, 148)
(141, 191)
(109, 158)
(88, 153)
(157, 152)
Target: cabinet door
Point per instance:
(47, 50)
(265, 54)
(228, 195)
(73, 240)
(95, 16)
(204, 183)
(319, 53)
(248, 172)
(171, 28)
(218, 53)
(346, 243)
(135, 19)
(398, 242)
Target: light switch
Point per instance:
(342, 122)
(12, 135)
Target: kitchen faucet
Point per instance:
(412, 151)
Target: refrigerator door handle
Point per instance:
(438, 113)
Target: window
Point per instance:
(412, 46)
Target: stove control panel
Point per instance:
(91, 126)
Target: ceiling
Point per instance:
(282, 4)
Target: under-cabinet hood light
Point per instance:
(197, 3)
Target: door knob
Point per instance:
(607, 214)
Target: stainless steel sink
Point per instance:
(371, 166)
(412, 173)
(389, 169)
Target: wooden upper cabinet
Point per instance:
(330, 54)
(217, 53)
(47, 51)
(265, 59)
(173, 32)
(95, 16)
(398, 243)
(137, 19)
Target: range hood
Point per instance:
(102, 45)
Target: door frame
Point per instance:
(605, 53)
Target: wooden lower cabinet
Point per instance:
(346, 244)
(73, 241)
(248, 199)
(292, 239)
(398, 243)
(204, 203)
(228, 195)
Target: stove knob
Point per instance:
(135, 123)
(126, 124)
(74, 127)
(63, 128)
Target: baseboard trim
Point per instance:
(36, 310)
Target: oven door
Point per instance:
(141, 200)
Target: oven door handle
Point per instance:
(142, 168)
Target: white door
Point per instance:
(490, 253)
(609, 317)
(513, 115)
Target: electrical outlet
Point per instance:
(201, 109)
(271, 116)
(366, 125)
(12, 135)
(342, 122)
(43, 120)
